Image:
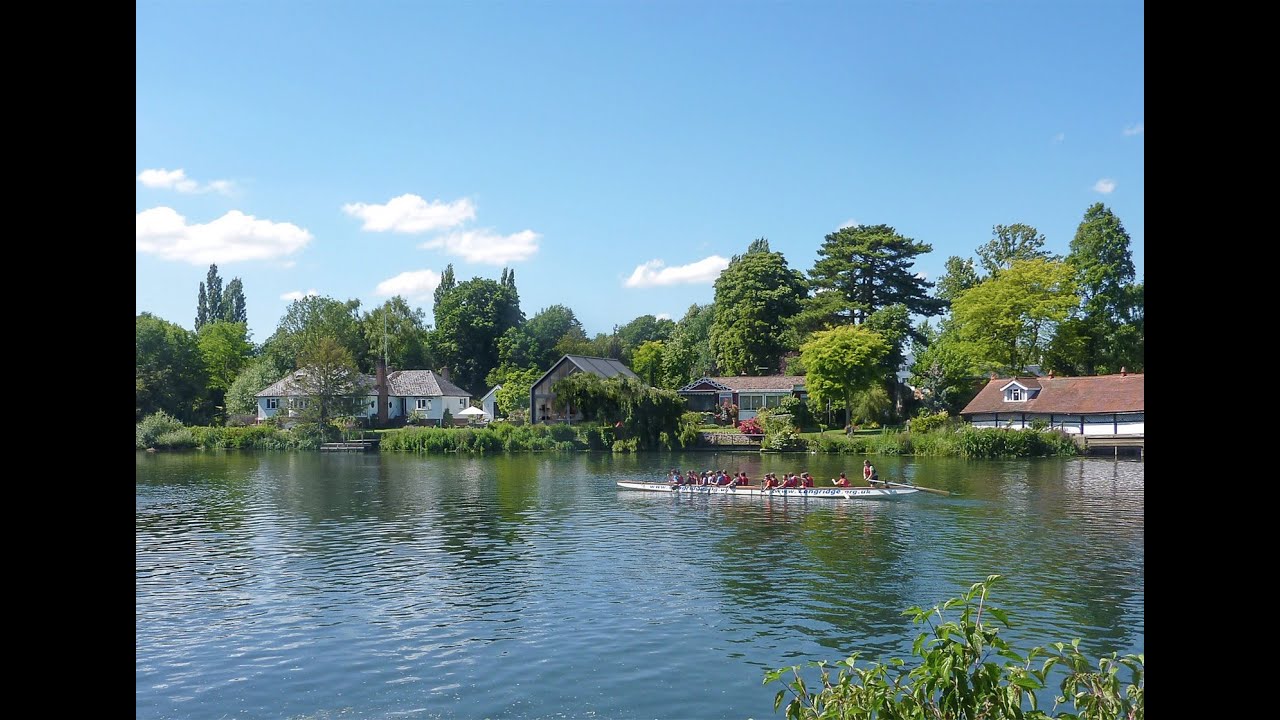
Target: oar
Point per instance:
(918, 487)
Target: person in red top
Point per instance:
(841, 481)
(869, 473)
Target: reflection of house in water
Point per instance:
(750, 394)
(542, 398)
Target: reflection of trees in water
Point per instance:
(1067, 534)
(821, 569)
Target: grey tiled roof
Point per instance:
(421, 383)
(400, 383)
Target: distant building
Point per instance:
(489, 403)
(750, 394)
(1096, 405)
(542, 398)
(389, 396)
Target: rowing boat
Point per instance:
(830, 493)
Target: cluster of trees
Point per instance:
(850, 324)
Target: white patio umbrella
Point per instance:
(472, 412)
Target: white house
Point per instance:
(1096, 405)
(404, 393)
(489, 403)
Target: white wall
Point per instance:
(1070, 424)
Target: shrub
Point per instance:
(963, 668)
(799, 411)
(147, 432)
(926, 422)
(625, 446)
(176, 439)
(688, 435)
(751, 427)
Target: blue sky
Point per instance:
(614, 154)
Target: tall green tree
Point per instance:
(641, 330)
(687, 356)
(213, 294)
(402, 330)
(958, 275)
(233, 308)
(1107, 333)
(329, 380)
(225, 349)
(548, 327)
(242, 396)
(755, 297)
(1010, 243)
(447, 283)
(516, 384)
(169, 373)
(470, 319)
(843, 362)
(1008, 320)
(202, 307)
(944, 370)
(646, 361)
(308, 320)
(871, 267)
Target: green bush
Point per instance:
(890, 443)
(926, 422)
(179, 439)
(688, 434)
(152, 427)
(1002, 443)
(963, 669)
(625, 446)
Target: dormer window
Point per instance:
(1015, 394)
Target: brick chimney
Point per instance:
(380, 384)
(444, 372)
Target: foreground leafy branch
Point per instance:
(967, 671)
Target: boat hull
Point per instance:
(825, 493)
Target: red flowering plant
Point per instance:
(750, 427)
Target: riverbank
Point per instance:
(962, 441)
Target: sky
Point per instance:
(615, 155)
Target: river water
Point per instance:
(308, 585)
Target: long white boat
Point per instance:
(830, 493)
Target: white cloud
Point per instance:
(298, 294)
(1104, 186)
(655, 272)
(663, 316)
(159, 178)
(1137, 129)
(486, 246)
(234, 237)
(1059, 137)
(414, 284)
(851, 222)
(411, 214)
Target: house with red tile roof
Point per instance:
(1096, 405)
(749, 393)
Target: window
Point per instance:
(462, 404)
(1015, 394)
(424, 403)
(273, 403)
(297, 403)
(751, 402)
(772, 400)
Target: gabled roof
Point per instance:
(421, 383)
(291, 385)
(400, 383)
(603, 367)
(740, 383)
(1066, 395)
(492, 391)
(1023, 382)
(697, 386)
